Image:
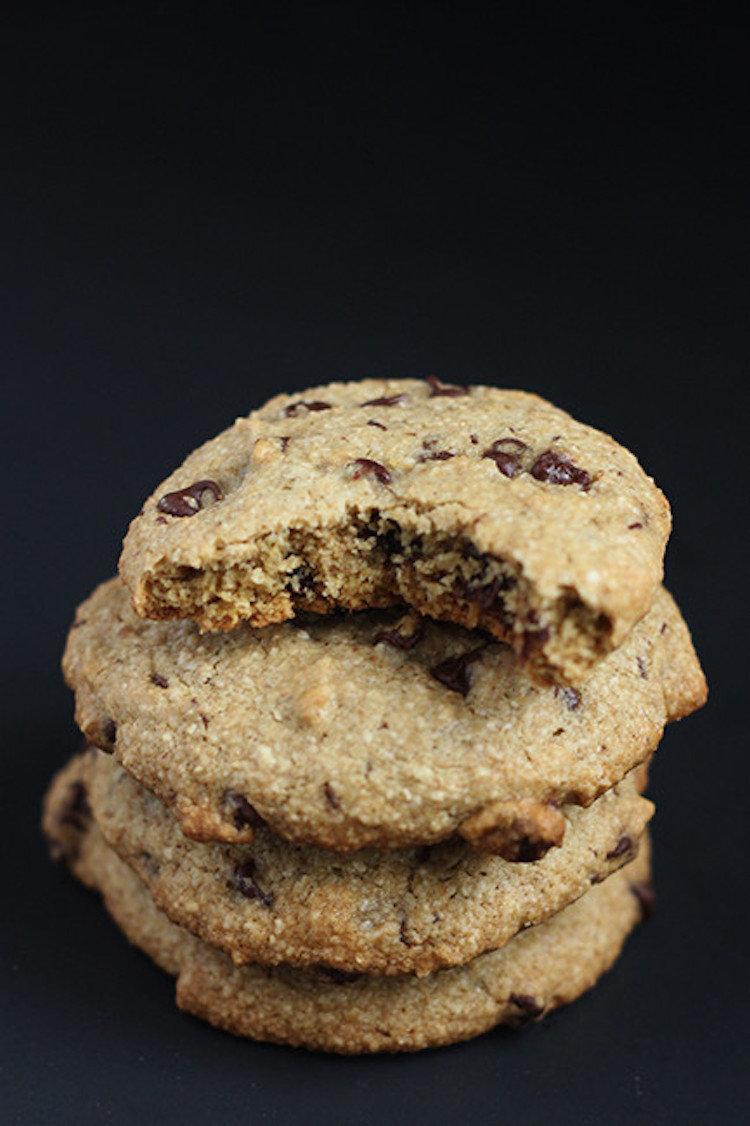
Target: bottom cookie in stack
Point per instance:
(325, 1008)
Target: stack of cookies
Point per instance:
(369, 713)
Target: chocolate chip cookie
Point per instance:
(537, 971)
(349, 731)
(475, 505)
(390, 912)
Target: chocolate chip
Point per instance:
(385, 401)
(506, 454)
(315, 405)
(454, 672)
(527, 1004)
(247, 885)
(401, 640)
(450, 390)
(637, 524)
(77, 811)
(331, 796)
(372, 422)
(243, 815)
(557, 469)
(110, 732)
(403, 934)
(161, 520)
(572, 698)
(186, 502)
(438, 455)
(284, 441)
(526, 850)
(624, 844)
(363, 465)
(487, 593)
(533, 639)
(642, 668)
(664, 627)
(159, 681)
(644, 892)
(329, 975)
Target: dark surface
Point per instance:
(202, 210)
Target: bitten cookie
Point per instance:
(366, 730)
(399, 911)
(539, 970)
(475, 505)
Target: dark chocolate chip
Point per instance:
(487, 594)
(526, 850)
(401, 640)
(385, 401)
(247, 885)
(527, 1004)
(186, 502)
(159, 680)
(642, 668)
(506, 454)
(454, 672)
(572, 698)
(316, 405)
(242, 814)
(284, 441)
(329, 975)
(439, 455)
(110, 732)
(644, 892)
(331, 796)
(624, 844)
(77, 811)
(533, 639)
(373, 422)
(403, 934)
(449, 390)
(161, 520)
(637, 524)
(363, 465)
(557, 469)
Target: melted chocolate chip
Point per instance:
(557, 469)
(77, 811)
(315, 405)
(644, 893)
(506, 454)
(329, 975)
(526, 850)
(110, 732)
(454, 672)
(487, 594)
(401, 640)
(159, 681)
(248, 886)
(363, 465)
(624, 844)
(533, 639)
(243, 815)
(331, 796)
(449, 390)
(373, 422)
(384, 401)
(186, 502)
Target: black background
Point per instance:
(206, 204)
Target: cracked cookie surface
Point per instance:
(537, 971)
(476, 505)
(377, 912)
(365, 730)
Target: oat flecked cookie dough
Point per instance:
(539, 970)
(367, 729)
(378, 912)
(484, 507)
